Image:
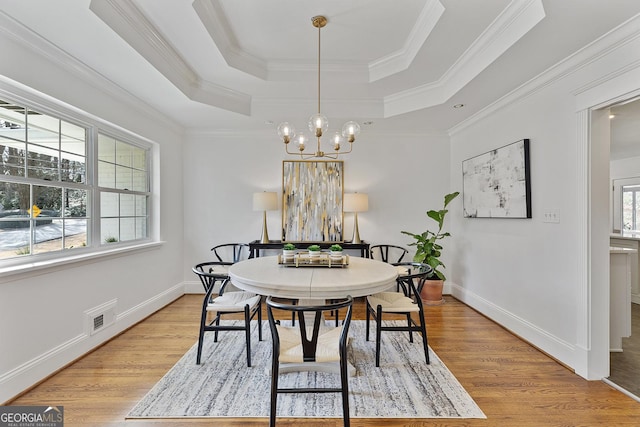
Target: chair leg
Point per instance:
(293, 314)
(215, 333)
(247, 332)
(367, 322)
(203, 321)
(409, 327)
(378, 334)
(274, 390)
(345, 389)
(260, 320)
(425, 343)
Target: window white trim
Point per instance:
(17, 93)
(35, 267)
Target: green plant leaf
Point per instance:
(427, 250)
(449, 197)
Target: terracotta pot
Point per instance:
(431, 293)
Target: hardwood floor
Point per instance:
(625, 366)
(513, 383)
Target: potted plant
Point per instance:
(335, 251)
(314, 252)
(288, 251)
(429, 250)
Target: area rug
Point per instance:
(404, 386)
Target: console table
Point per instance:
(255, 246)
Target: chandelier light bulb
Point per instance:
(337, 140)
(350, 130)
(301, 138)
(318, 124)
(286, 132)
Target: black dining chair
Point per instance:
(309, 343)
(226, 255)
(406, 302)
(225, 303)
(389, 254)
(231, 252)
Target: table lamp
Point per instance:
(265, 201)
(356, 202)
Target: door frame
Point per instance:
(593, 186)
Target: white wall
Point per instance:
(625, 168)
(523, 267)
(540, 279)
(222, 172)
(42, 320)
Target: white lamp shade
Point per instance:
(356, 202)
(265, 201)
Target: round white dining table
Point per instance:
(265, 276)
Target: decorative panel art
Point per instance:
(497, 184)
(312, 193)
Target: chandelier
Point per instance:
(318, 123)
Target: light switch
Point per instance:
(551, 215)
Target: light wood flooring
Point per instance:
(512, 382)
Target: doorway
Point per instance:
(593, 220)
(624, 368)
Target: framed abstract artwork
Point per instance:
(497, 184)
(312, 193)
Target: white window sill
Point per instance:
(36, 267)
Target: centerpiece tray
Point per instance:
(323, 260)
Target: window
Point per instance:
(631, 208)
(52, 201)
(124, 190)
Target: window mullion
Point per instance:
(633, 210)
(95, 191)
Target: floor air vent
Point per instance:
(101, 316)
(98, 322)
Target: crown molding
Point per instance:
(212, 17)
(123, 17)
(346, 73)
(131, 24)
(270, 133)
(282, 107)
(401, 59)
(517, 19)
(618, 37)
(41, 47)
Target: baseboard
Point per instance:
(22, 378)
(558, 349)
(193, 287)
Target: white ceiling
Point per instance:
(220, 65)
